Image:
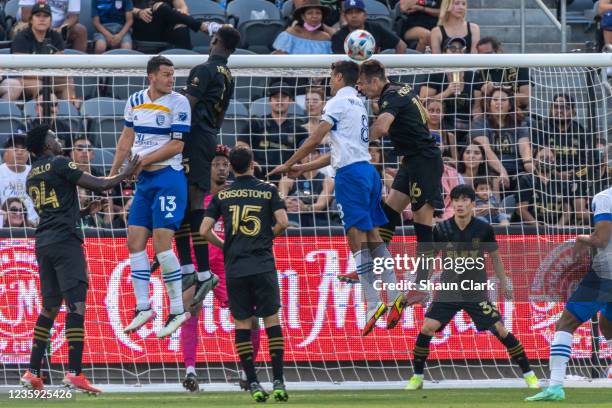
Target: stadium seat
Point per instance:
(249, 88)
(242, 51)
(287, 11)
(86, 20)
(11, 9)
(103, 159)
(5, 50)
(379, 13)
(11, 120)
(121, 51)
(151, 47)
(236, 123)
(179, 51)
(207, 10)
(104, 119)
(579, 12)
(261, 108)
(122, 87)
(258, 33)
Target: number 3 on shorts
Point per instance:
(167, 203)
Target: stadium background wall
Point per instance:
(322, 317)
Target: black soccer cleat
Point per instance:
(203, 288)
(279, 391)
(258, 393)
(154, 264)
(190, 383)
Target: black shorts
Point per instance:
(484, 314)
(420, 178)
(254, 295)
(62, 268)
(197, 159)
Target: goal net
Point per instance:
(537, 136)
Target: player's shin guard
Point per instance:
(516, 351)
(189, 341)
(244, 348)
(200, 246)
(421, 352)
(171, 272)
(424, 237)
(42, 332)
(256, 340)
(75, 335)
(388, 274)
(388, 230)
(560, 353)
(141, 274)
(364, 265)
(276, 346)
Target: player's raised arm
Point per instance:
(309, 145)
(100, 184)
(500, 274)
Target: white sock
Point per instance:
(560, 353)
(141, 274)
(171, 272)
(187, 269)
(205, 275)
(364, 265)
(419, 375)
(388, 274)
(528, 373)
(190, 370)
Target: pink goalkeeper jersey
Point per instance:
(215, 255)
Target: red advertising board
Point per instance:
(322, 317)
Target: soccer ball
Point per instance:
(359, 45)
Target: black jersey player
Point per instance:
(463, 241)
(51, 185)
(253, 214)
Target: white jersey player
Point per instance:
(156, 121)
(358, 187)
(593, 294)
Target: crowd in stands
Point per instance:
(525, 168)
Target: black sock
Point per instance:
(516, 351)
(388, 230)
(183, 243)
(276, 346)
(421, 352)
(244, 348)
(424, 237)
(200, 246)
(42, 333)
(75, 334)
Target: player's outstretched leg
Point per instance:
(397, 299)
(141, 274)
(42, 331)
(171, 272)
(189, 344)
(375, 308)
(516, 352)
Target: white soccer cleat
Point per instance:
(172, 324)
(142, 317)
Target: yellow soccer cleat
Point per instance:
(532, 381)
(415, 383)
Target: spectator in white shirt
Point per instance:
(14, 172)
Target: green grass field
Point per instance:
(455, 398)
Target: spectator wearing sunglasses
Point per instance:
(46, 112)
(14, 172)
(15, 214)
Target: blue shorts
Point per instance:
(358, 195)
(160, 199)
(593, 294)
